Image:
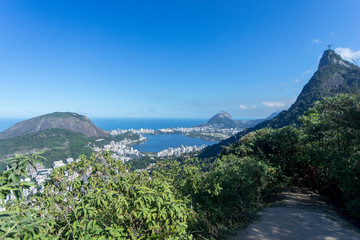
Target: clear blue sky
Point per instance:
(165, 59)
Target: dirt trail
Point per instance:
(299, 216)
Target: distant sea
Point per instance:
(5, 123)
(137, 123)
(124, 123)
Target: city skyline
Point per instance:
(166, 59)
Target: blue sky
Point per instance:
(165, 59)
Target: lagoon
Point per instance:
(158, 143)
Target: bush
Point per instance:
(99, 198)
(332, 142)
(225, 196)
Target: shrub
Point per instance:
(99, 198)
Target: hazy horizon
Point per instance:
(136, 123)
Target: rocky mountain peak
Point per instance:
(224, 114)
(330, 57)
(220, 117)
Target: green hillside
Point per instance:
(57, 144)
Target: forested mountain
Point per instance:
(334, 75)
(59, 135)
(64, 120)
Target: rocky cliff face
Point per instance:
(69, 121)
(333, 76)
(331, 58)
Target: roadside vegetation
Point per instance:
(100, 198)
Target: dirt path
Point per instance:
(299, 216)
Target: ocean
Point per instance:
(137, 123)
(124, 123)
(5, 123)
